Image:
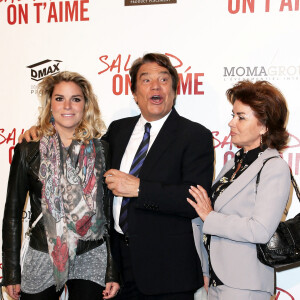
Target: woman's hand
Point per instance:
(14, 291)
(206, 283)
(111, 290)
(202, 205)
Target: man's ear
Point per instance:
(135, 98)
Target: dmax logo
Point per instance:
(44, 68)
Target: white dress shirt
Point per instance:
(133, 144)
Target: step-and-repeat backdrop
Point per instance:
(213, 44)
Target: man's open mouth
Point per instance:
(156, 98)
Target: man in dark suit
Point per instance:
(153, 239)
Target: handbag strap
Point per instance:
(33, 224)
(294, 183)
(258, 174)
(296, 188)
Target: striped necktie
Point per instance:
(135, 170)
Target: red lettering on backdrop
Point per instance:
(222, 143)
(173, 56)
(190, 83)
(287, 3)
(184, 84)
(116, 63)
(105, 57)
(127, 83)
(237, 6)
(17, 13)
(10, 154)
(126, 64)
(62, 11)
(197, 83)
(228, 156)
(71, 11)
(267, 6)
(293, 139)
(236, 9)
(117, 84)
(294, 164)
(83, 10)
(293, 159)
(234, 6)
(10, 137)
(52, 13)
(283, 291)
(250, 4)
(38, 5)
(297, 163)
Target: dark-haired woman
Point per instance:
(241, 213)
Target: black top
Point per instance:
(242, 161)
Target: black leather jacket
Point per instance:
(24, 177)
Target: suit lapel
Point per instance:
(122, 142)
(224, 170)
(165, 137)
(243, 179)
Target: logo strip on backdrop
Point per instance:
(148, 2)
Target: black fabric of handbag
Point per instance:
(283, 249)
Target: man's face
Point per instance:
(154, 94)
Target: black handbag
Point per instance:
(283, 248)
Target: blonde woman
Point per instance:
(62, 171)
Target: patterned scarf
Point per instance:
(70, 199)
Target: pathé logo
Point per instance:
(43, 68)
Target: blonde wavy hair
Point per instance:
(91, 125)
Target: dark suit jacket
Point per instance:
(164, 257)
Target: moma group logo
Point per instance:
(43, 68)
(148, 2)
(238, 73)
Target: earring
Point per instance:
(52, 121)
(261, 141)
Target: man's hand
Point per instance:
(29, 135)
(122, 184)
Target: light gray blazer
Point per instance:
(241, 219)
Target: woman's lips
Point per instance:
(67, 115)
